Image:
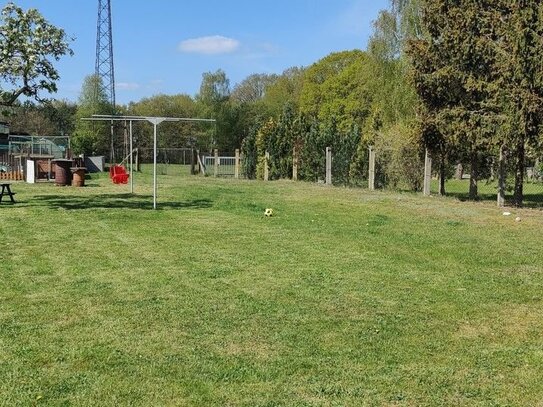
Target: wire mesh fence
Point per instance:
(374, 168)
(170, 161)
(486, 183)
(388, 169)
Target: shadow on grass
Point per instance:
(114, 201)
(530, 200)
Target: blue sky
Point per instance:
(164, 46)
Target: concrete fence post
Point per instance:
(427, 173)
(236, 165)
(294, 164)
(501, 177)
(328, 166)
(138, 167)
(216, 163)
(266, 165)
(371, 171)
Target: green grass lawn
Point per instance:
(343, 298)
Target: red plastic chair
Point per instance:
(118, 174)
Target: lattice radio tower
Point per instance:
(104, 60)
(104, 51)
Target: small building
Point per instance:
(32, 156)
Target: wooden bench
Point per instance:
(6, 190)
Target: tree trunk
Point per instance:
(192, 162)
(519, 173)
(474, 174)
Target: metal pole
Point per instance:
(131, 161)
(154, 166)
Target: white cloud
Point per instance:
(211, 45)
(127, 86)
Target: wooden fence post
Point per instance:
(328, 166)
(371, 171)
(192, 162)
(216, 163)
(266, 164)
(236, 165)
(501, 178)
(294, 164)
(427, 173)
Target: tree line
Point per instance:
(461, 78)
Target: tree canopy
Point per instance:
(478, 75)
(28, 44)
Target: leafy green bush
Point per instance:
(399, 159)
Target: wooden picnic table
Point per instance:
(6, 190)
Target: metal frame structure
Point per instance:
(104, 50)
(155, 121)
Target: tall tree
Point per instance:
(338, 86)
(253, 88)
(521, 72)
(62, 114)
(173, 134)
(454, 73)
(214, 102)
(286, 89)
(409, 15)
(27, 44)
(91, 137)
(32, 119)
(53, 118)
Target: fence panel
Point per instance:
(10, 167)
(226, 165)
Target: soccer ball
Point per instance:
(268, 212)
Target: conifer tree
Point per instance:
(455, 76)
